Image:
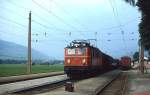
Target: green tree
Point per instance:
(136, 56)
(132, 2)
(144, 26)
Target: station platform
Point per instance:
(23, 85)
(28, 77)
(89, 86)
(138, 84)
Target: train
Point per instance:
(125, 63)
(81, 58)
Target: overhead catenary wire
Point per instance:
(106, 40)
(15, 21)
(25, 8)
(59, 29)
(12, 21)
(43, 19)
(2, 32)
(19, 25)
(70, 33)
(48, 27)
(38, 16)
(59, 18)
(17, 5)
(8, 10)
(68, 13)
(103, 28)
(22, 7)
(119, 23)
(23, 25)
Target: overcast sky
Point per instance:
(57, 22)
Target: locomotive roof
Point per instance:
(85, 43)
(79, 43)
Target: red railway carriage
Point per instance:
(125, 62)
(82, 58)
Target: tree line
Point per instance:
(144, 25)
(48, 62)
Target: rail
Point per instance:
(116, 86)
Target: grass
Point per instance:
(20, 69)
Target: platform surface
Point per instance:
(89, 86)
(16, 86)
(141, 93)
(27, 77)
(138, 84)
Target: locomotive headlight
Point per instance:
(68, 60)
(83, 60)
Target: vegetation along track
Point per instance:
(116, 87)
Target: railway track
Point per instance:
(45, 87)
(88, 86)
(41, 88)
(102, 86)
(116, 87)
(19, 88)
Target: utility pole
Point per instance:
(29, 64)
(96, 38)
(141, 57)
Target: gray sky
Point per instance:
(112, 22)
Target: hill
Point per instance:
(10, 50)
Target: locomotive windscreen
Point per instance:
(80, 51)
(71, 51)
(76, 51)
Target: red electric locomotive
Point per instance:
(125, 63)
(83, 58)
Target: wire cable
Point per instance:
(65, 11)
(48, 27)
(17, 5)
(50, 12)
(119, 23)
(8, 10)
(19, 24)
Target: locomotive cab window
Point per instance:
(76, 51)
(80, 51)
(71, 51)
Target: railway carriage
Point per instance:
(125, 63)
(82, 58)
